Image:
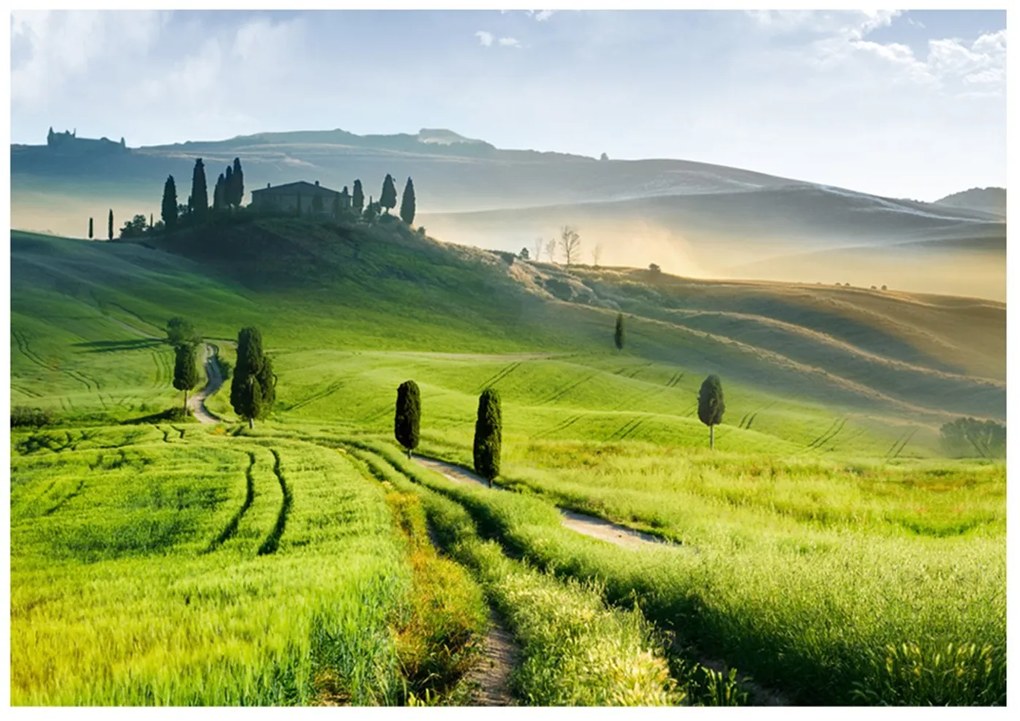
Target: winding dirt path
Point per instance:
(582, 523)
(491, 675)
(215, 379)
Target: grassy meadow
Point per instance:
(827, 551)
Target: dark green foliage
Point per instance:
(180, 331)
(388, 198)
(169, 213)
(253, 387)
(358, 198)
(407, 203)
(90, 228)
(199, 192)
(408, 415)
(525, 254)
(235, 192)
(488, 435)
(970, 437)
(109, 226)
(218, 200)
(371, 210)
(185, 370)
(228, 187)
(711, 405)
(134, 228)
(618, 336)
(25, 417)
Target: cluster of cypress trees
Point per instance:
(488, 427)
(253, 387)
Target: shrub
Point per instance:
(25, 417)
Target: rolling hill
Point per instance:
(690, 218)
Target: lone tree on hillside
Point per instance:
(185, 371)
(408, 416)
(109, 225)
(407, 204)
(90, 228)
(618, 336)
(488, 435)
(199, 192)
(570, 242)
(179, 331)
(388, 197)
(169, 210)
(358, 197)
(253, 387)
(235, 193)
(711, 406)
(525, 254)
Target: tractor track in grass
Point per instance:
(561, 426)
(901, 443)
(566, 389)
(21, 340)
(831, 432)
(503, 373)
(676, 378)
(592, 526)
(318, 395)
(272, 542)
(249, 497)
(66, 499)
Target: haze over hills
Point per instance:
(690, 218)
(990, 200)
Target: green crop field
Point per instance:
(827, 551)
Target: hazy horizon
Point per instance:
(899, 104)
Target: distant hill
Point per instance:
(990, 200)
(689, 217)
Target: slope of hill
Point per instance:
(988, 200)
(691, 218)
(351, 311)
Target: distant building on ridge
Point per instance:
(301, 198)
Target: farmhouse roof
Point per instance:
(301, 186)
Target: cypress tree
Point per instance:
(109, 226)
(407, 205)
(170, 203)
(199, 192)
(408, 416)
(358, 198)
(218, 192)
(228, 187)
(711, 406)
(388, 198)
(488, 435)
(90, 228)
(237, 190)
(185, 371)
(618, 336)
(253, 386)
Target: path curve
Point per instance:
(580, 522)
(215, 379)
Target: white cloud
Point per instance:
(509, 42)
(541, 15)
(485, 38)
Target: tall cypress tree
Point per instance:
(185, 371)
(218, 193)
(253, 386)
(711, 406)
(169, 209)
(358, 197)
(388, 198)
(618, 335)
(109, 226)
(199, 192)
(90, 228)
(488, 435)
(407, 421)
(407, 204)
(237, 190)
(228, 187)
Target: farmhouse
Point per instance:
(301, 198)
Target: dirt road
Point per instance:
(215, 379)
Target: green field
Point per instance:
(827, 549)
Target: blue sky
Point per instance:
(907, 104)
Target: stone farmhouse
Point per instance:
(300, 198)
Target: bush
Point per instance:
(25, 417)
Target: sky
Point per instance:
(897, 103)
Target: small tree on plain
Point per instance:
(169, 209)
(570, 243)
(488, 435)
(185, 371)
(408, 416)
(109, 225)
(388, 197)
(407, 203)
(618, 336)
(711, 406)
(253, 386)
(90, 228)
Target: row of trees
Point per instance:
(569, 245)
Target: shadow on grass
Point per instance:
(109, 346)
